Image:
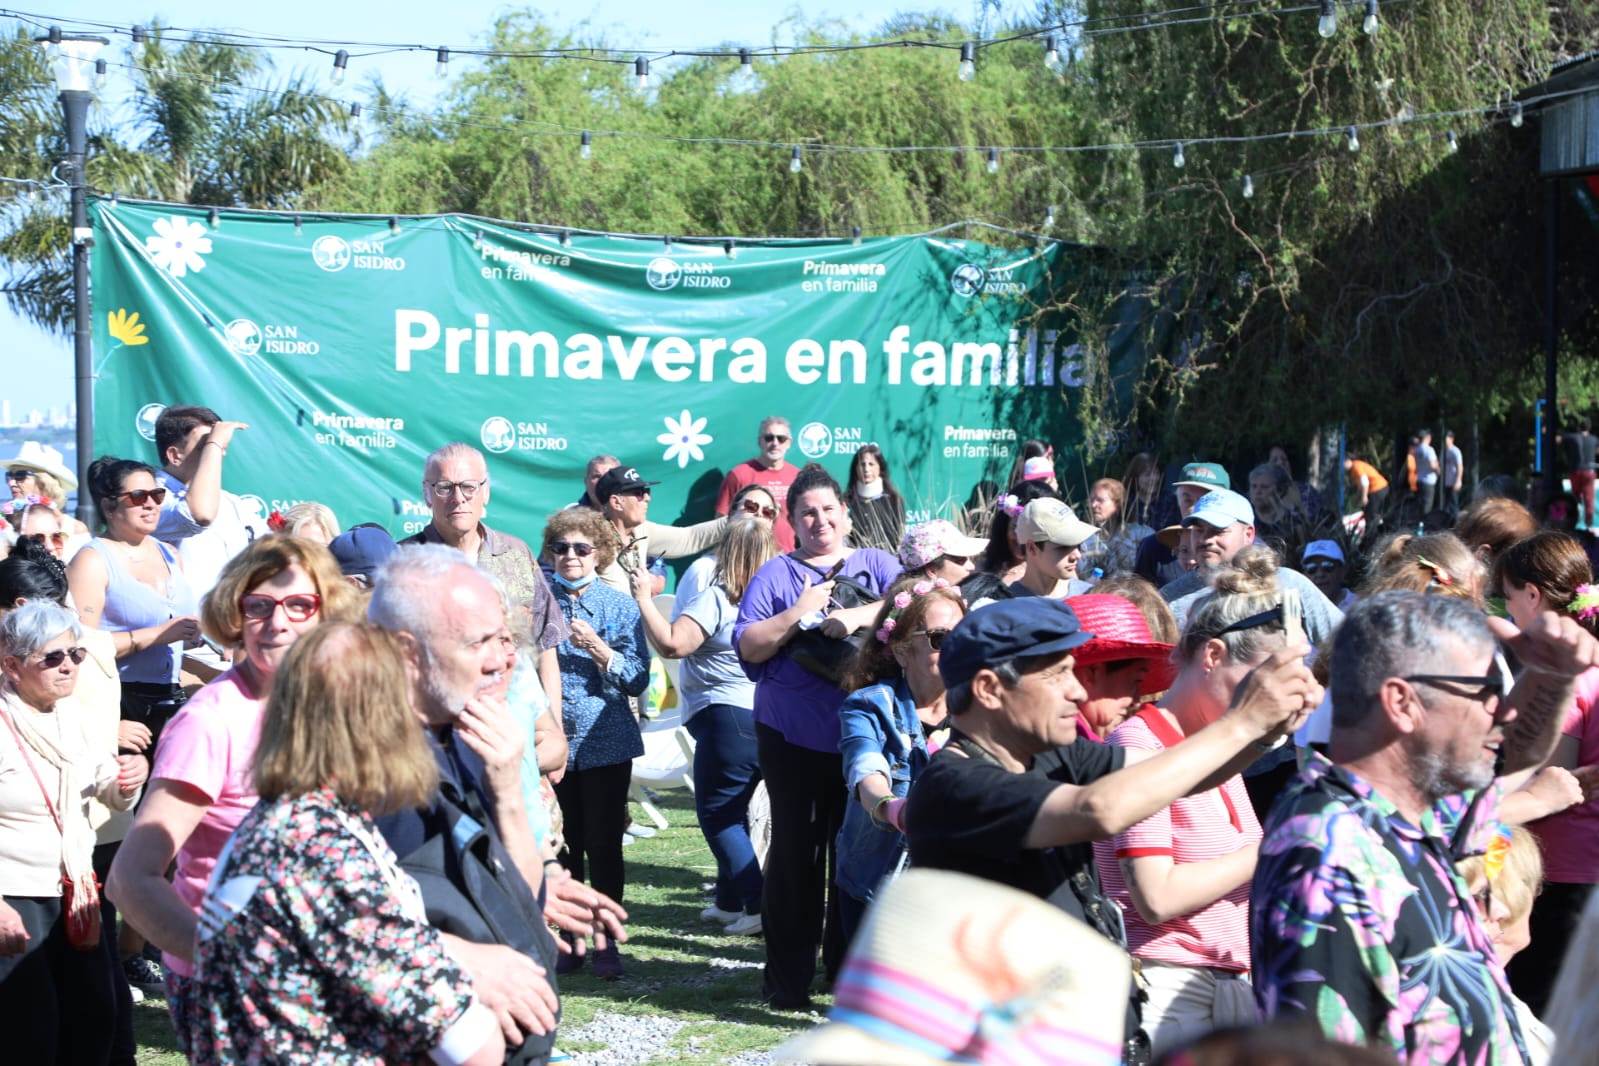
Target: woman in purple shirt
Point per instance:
(796, 728)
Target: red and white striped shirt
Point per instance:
(1194, 828)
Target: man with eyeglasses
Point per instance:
(624, 498)
(1324, 563)
(455, 484)
(205, 523)
(1360, 922)
(769, 471)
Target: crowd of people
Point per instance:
(1185, 774)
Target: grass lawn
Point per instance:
(679, 969)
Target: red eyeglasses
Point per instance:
(296, 608)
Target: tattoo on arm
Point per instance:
(1530, 737)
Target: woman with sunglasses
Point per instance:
(896, 702)
(58, 994)
(603, 663)
(39, 521)
(719, 712)
(268, 596)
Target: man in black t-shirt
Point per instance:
(1016, 796)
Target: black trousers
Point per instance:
(123, 1048)
(57, 1004)
(799, 904)
(1555, 916)
(594, 807)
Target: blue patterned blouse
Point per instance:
(600, 727)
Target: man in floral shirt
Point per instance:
(1359, 919)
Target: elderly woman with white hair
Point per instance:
(57, 999)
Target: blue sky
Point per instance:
(37, 367)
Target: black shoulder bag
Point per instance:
(829, 657)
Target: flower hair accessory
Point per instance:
(904, 599)
(1439, 574)
(1493, 859)
(1009, 505)
(1586, 604)
(276, 522)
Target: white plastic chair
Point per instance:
(667, 762)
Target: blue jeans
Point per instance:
(726, 772)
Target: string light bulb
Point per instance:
(744, 77)
(1178, 159)
(1052, 61)
(1049, 217)
(641, 74)
(140, 35)
(341, 64)
(441, 65)
(968, 67)
(1327, 24)
(99, 74)
(1352, 139)
(355, 110)
(394, 226)
(566, 238)
(585, 146)
(1516, 115)
(993, 160)
(1452, 142)
(1249, 187)
(796, 160)
(1369, 25)
(731, 249)
(214, 217)
(299, 226)
(855, 235)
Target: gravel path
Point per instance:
(628, 1039)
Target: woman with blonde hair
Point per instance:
(1115, 547)
(1504, 883)
(269, 596)
(719, 713)
(312, 943)
(1438, 563)
(311, 520)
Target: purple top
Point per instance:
(789, 698)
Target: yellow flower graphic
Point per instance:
(126, 327)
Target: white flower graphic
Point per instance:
(178, 245)
(684, 437)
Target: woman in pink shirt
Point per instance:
(1182, 876)
(1549, 571)
(272, 593)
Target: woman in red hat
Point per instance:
(1182, 876)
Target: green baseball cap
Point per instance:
(1206, 476)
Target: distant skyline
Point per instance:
(37, 366)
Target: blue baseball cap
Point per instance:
(360, 551)
(1027, 625)
(1220, 508)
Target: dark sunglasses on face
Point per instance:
(775, 438)
(138, 496)
(1326, 566)
(296, 608)
(50, 660)
(18, 474)
(958, 560)
(934, 637)
(752, 507)
(1479, 689)
(577, 548)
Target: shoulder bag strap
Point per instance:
(22, 746)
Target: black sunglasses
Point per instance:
(52, 659)
(935, 637)
(1255, 621)
(774, 438)
(1485, 686)
(579, 549)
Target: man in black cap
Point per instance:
(624, 499)
(1016, 796)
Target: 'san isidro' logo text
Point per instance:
(144, 421)
(253, 504)
(968, 279)
(333, 253)
(815, 440)
(498, 434)
(245, 338)
(664, 274)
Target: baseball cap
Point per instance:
(1205, 475)
(1038, 468)
(1220, 508)
(1027, 625)
(361, 550)
(1052, 520)
(927, 541)
(1323, 549)
(620, 479)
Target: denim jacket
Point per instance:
(880, 733)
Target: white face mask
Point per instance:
(869, 490)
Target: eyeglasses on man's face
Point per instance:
(774, 438)
(445, 489)
(1468, 686)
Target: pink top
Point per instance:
(1195, 828)
(208, 746)
(1570, 839)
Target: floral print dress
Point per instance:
(313, 946)
(1360, 923)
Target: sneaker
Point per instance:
(144, 975)
(643, 832)
(137, 994)
(608, 963)
(713, 913)
(627, 839)
(745, 925)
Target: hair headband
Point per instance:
(904, 600)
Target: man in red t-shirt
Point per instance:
(770, 472)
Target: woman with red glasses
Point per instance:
(271, 594)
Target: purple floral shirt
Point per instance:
(1360, 922)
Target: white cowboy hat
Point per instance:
(948, 967)
(46, 460)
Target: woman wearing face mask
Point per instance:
(267, 597)
(876, 509)
(1182, 877)
(896, 702)
(603, 663)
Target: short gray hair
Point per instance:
(454, 450)
(1394, 634)
(406, 587)
(33, 625)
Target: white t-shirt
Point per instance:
(205, 550)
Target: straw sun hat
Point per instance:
(951, 968)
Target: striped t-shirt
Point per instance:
(1195, 828)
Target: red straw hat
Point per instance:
(1121, 633)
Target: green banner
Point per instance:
(353, 346)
